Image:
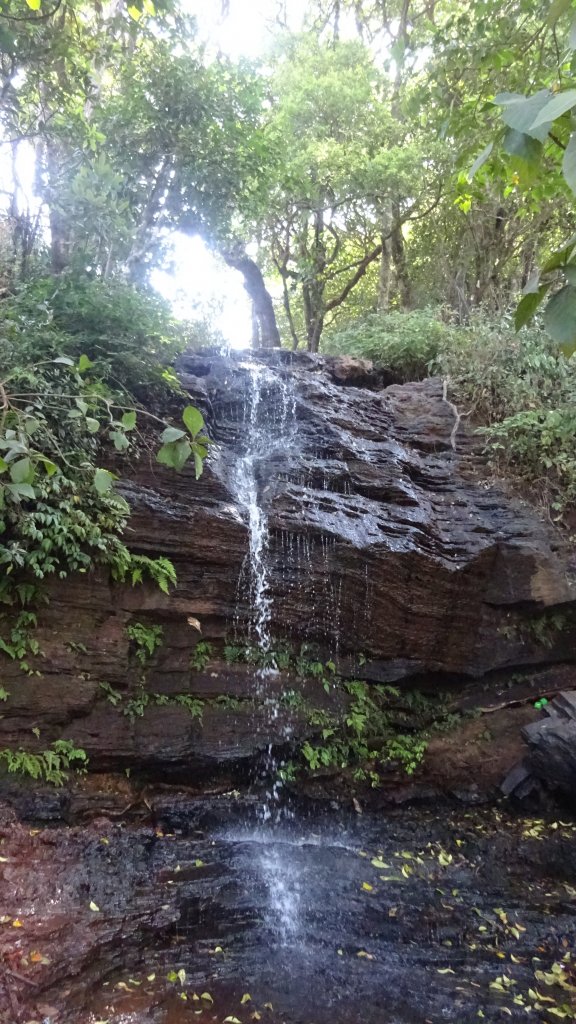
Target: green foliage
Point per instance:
(201, 655)
(137, 704)
(524, 391)
(146, 639)
(58, 511)
(50, 765)
(137, 567)
(405, 343)
(113, 696)
(407, 751)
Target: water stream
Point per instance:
(269, 431)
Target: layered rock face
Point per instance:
(382, 537)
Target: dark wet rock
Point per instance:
(110, 914)
(384, 540)
(552, 746)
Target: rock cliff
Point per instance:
(387, 547)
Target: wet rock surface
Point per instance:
(382, 539)
(404, 919)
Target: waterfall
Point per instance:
(270, 427)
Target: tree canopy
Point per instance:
(375, 156)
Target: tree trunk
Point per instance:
(262, 306)
(399, 258)
(385, 271)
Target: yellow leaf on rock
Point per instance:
(206, 997)
(367, 887)
(94, 906)
(17, 923)
(246, 998)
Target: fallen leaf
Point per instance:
(246, 998)
(367, 887)
(39, 958)
(206, 997)
(94, 906)
(182, 976)
(232, 1020)
(17, 923)
(378, 863)
(150, 977)
(445, 970)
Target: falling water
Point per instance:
(270, 426)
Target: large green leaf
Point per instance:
(527, 306)
(558, 8)
(193, 419)
(103, 480)
(519, 112)
(569, 162)
(129, 420)
(557, 106)
(174, 454)
(21, 471)
(560, 257)
(560, 316)
(570, 273)
(480, 160)
(522, 145)
(171, 434)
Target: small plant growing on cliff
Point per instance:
(50, 765)
(408, 751)
(113, 696)
(146, 639)
(201, 655)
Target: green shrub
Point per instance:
(131, 334)
(406, 343)
(51, 765)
